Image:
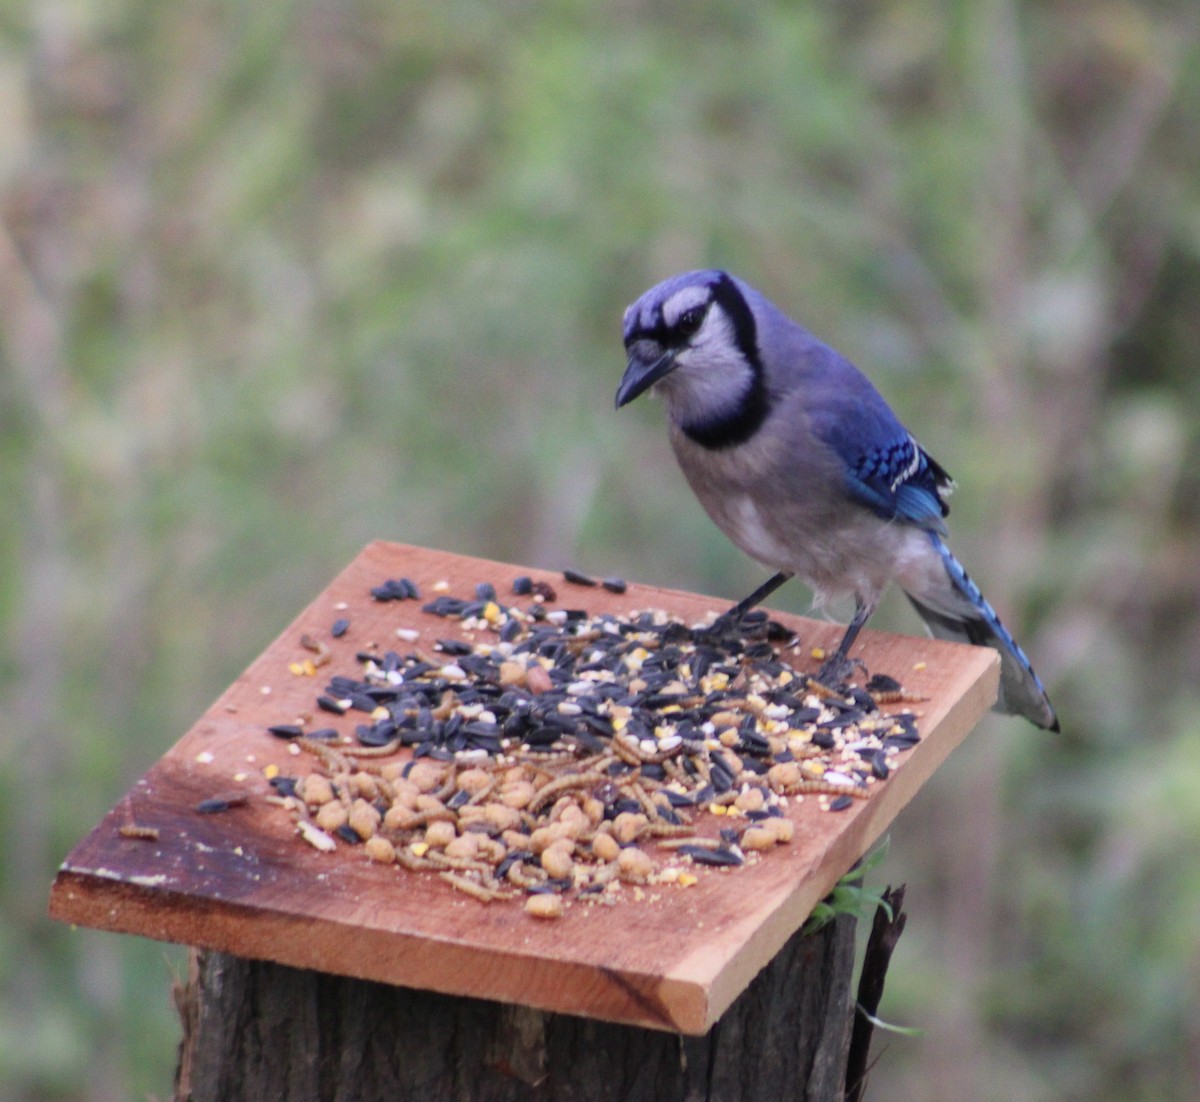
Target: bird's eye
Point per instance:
(690, 320)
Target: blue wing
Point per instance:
(884, 468)
(899, 480)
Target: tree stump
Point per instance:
(254, 1030)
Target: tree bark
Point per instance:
(255, 1030)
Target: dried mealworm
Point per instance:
(319, 649)
(555, 788)
(662, 829)
(374, 751)
(462, 864)
(471, 887)
(483, 793)
(678, 841)
(825, 788)
(333, 761)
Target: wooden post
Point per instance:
(255, 1030)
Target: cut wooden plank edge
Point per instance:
(688, 997)
(94, 898)
(870, 820)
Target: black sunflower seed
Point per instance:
(215, 804)
(702, 855)
(679, 799)
(377, 734)
(455, 647)
(510, 630)
(286, 730)
(849, 718)
(881, 683)
(779, 633)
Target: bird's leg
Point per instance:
(760, 594)
(839, 666)
(734, 616)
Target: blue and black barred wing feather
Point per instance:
(892, 475)
(901, 481)
(883, 467)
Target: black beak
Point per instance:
(640, 376)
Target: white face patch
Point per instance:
(682, 301)
(711, 375)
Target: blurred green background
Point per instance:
(278, 279)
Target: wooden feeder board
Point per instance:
(242, 882)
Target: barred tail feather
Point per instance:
(970, 619)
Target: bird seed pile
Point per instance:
(554, 754)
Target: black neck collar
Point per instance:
(727, 430)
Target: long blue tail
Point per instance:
(966, 617)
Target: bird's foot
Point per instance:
(735, 622)
(724, 626)
(837, 670)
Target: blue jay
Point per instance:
(801, 463)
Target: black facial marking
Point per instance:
(730, 429)
(670, 336)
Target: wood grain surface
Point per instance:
(243, 883)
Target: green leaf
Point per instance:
(849, 896)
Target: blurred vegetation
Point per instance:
(277, 279)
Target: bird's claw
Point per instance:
(837, 670)
(723, 626)
(752, 623)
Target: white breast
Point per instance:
(745, 524)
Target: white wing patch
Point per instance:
(911, 469)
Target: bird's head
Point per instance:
(692, 338)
